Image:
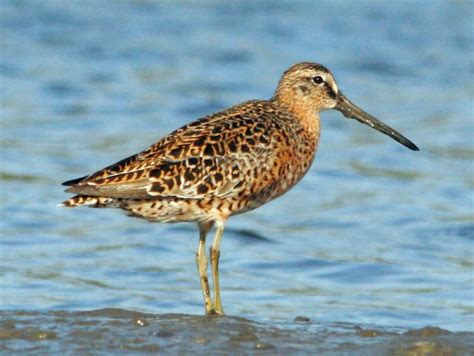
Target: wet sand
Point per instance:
(117, 330)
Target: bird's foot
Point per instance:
(215, 311)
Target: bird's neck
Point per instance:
(303, 112)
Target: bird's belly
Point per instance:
(181, 210)
(165, 210)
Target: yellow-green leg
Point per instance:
(201, 262)
(214, 252)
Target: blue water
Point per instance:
(374, 233)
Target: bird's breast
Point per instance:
(285, 166)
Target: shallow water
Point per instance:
(108, 331)
(374, 234)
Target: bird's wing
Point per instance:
(209, 157)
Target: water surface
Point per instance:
(374, 234)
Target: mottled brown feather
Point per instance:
(243, 137)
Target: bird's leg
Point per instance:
(201, 262)
(214, 252)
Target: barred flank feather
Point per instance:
(86, 200)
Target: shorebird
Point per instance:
(226, 163)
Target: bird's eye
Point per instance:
(318, 79)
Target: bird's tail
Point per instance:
(90, 201)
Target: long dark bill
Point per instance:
(352, 111)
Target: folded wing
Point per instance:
(210, 156)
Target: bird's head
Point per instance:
(310, 87)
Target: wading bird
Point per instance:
(226, 163)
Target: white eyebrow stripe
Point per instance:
(332, 83)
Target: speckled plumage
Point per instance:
(226, 163)
(223, 164)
